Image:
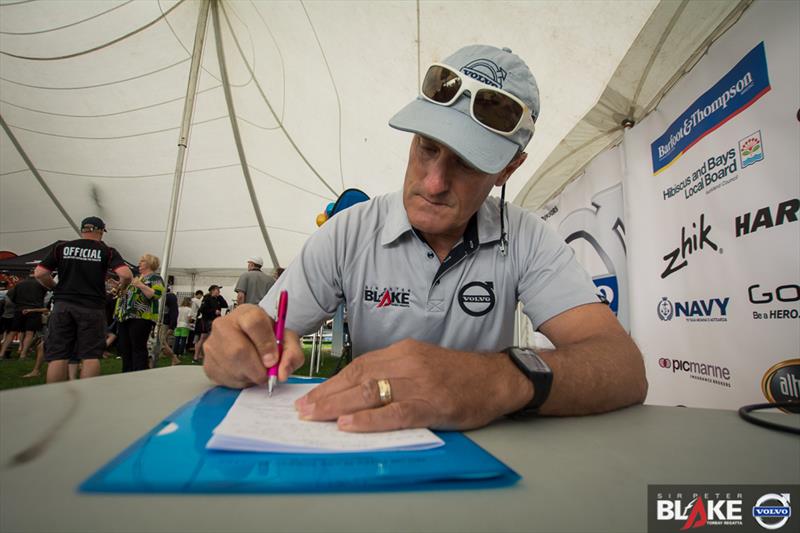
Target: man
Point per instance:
(194, 319)
(253, 284)
(77, 324)
(210, 309)
(432, 276)
(27, 294)
(168, 324)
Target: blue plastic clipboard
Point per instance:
(172, 458)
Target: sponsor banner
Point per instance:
(722, 508)
(738, 89)
(712, 219)
(589, 215)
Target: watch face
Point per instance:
(532, 361)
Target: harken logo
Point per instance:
(477, 298)
(388, 296)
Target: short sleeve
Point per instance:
(313, 279)
(115, 260)
(50, 262)
(157, 284)
(241, 284)
(551, 280)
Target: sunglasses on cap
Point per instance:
(494, 109)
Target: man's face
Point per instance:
(442, 191)
(215, 292)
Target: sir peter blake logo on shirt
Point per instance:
(388, 296)
(82, 254)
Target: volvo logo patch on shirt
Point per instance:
(477, 298)
(388, 296)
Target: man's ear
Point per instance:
(515, 163)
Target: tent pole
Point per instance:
(186, 124)
(237, 136)
(36, 174)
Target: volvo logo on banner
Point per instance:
(740, 88)
(602, 228)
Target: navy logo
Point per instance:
(485, 71)
(477, 298)
(665, 309)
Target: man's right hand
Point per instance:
(242, 346)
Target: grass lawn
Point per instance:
(12, 370)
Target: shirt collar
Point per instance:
(397, 223)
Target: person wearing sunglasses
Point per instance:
(432, 276)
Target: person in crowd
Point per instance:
(182, 326)
(9, 333)
(193, 334)
(432, 276)
(210, 309)
(27, 294)
(278, 272)
(137, 313)
(76, 327)
(40, 336)
(254, 284)
(168, 324)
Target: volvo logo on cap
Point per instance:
(477, 298)
(485, 71)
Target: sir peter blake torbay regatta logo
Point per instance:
(388, 296)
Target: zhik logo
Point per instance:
(689, 245)
(388, 297)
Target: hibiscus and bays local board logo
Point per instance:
(707, 372)
(751, 149)
(710, 310)
(721, 508)
(387, 296)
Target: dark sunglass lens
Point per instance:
(496, 110)
(441, 84)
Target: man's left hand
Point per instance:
(431, 387)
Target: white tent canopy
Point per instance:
(93, 94)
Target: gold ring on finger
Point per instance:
(385, 391)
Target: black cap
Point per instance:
(212, 287)
(93, 224)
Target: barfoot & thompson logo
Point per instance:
(710, 373)
(711, 310)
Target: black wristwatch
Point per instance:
(538, 372)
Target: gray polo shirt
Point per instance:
(255, 284)
(395, 287)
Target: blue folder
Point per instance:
(172, 458)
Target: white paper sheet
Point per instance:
(259, 423)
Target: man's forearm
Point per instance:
(594, 376)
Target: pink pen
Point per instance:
(280, 325)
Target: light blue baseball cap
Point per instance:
(453, 125)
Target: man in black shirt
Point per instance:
(27, 294)
(77, 323)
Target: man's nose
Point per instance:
(436, 176)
